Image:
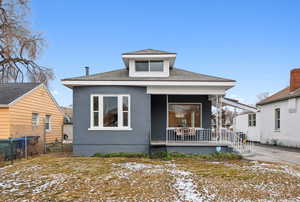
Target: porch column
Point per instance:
(218, 116)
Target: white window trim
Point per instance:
(100, 112)
(134, 73)
(276, 129)
(149, 65)
(50, 125)
(38, 119)
(193, 103)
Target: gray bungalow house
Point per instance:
(149, 105)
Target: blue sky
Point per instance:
(256, 43)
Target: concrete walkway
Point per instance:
(275, 154)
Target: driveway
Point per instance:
(275, 154)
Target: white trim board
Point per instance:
(71, 83)
(187, 90)
(150, 56)
(239, 105)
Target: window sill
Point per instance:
(109, 128)
(276, 130)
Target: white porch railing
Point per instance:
(200, 136)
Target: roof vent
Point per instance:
(295, 79)
(87, 71)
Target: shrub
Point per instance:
(162, 155)
(121, 154)
(213, 156)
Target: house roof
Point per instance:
(68, 111)
(175, 75)
(148, 51)
(283, 94)
(11, 91)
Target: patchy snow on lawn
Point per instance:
(56, 180)
(184, 184)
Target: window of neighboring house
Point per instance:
(48, 122)
(110, 112)
(184, 115)
(149, 66)
(35, 119)
(251, 120)
(277, 118)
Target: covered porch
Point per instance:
(185, 121)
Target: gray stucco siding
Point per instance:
(89, 142)
(158, 117)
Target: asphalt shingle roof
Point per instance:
(175, 75)
(281, 95)
(11, 91)
(147, 51)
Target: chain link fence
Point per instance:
(22, 147)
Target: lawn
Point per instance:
(65, 178)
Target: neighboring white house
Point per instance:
(278, 119)
(248, 123)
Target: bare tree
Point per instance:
(262, 96)
(19, 46)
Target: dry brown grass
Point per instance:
(65, 178)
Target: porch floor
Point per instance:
(187, 143)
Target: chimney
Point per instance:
(87, 71)
(295, 79)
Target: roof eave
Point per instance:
(72, 83)
(277, 100)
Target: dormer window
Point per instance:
(149, 66)
(149, 63)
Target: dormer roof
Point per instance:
(149, 54)
(149, 51)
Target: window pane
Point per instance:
(125, 118)
(35, 119)
(96, 118)
(110, 111)
(249, 119)
(156, 66)
(95, 103)
(184, 115)
(125, 103)
(141, 66)
(47, 122)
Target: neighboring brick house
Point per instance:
(29, 109)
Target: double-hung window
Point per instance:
(251, 120)
(110, 112)
(48, 122)
(35, 119)
(277, 118)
